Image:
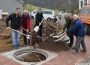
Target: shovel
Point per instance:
(36, 29)
(27, 36)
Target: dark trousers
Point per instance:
(26, 41)
(40, 31)
(71, 40)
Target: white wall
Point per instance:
(0, 13)
(88, 2)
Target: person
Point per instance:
(26, 27)
(67, 26)
(39, 18)
(15, 19)
(34, 39)
(61, 18)
(78, 30)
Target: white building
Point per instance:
(83, 3)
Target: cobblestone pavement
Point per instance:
(69, 58)
(64, 58)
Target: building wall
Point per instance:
(10, 5)
(85, 3)
(88, 2)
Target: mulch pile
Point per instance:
(47, 43)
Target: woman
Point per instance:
(26, 26)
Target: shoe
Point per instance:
(25, 45)
(38, 36)
(15, 47)
(73, 47)
(83, 51)
(73, 51)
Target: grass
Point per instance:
(31, 8)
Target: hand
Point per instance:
(8, 27)
(65, 33)
(63, 30)
(27, 30)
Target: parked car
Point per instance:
(47, 14)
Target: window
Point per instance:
(85, 2)
(34, 12)
(83, 11)
(47, 12)
(81, 3)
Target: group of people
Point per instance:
(19, 21)
(23, 21)
(75, 27)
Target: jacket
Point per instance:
(26, 22)
(77, 29)
(15, 21)
(39, 17)
(68, 24)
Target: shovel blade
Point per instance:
(36, 29)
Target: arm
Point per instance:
(28, 23)
(7, 20)
(36, 20)
(20, 22)
(42, 16)
(74, 28)
(66, 25)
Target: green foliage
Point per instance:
(68, 5)
(31, 7)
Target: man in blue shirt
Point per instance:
(78, 30)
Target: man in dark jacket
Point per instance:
(78, 30)
(15, 19)
(39, 18)
(26, 26)
(68, 25)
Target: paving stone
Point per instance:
(63, 58)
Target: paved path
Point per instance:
(63, 58)
(6, 61)
(69, 58)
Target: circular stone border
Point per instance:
(27, 51)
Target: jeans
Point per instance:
(80, 41)
(40, 31)
(15, 39)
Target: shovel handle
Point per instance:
(41, 22)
